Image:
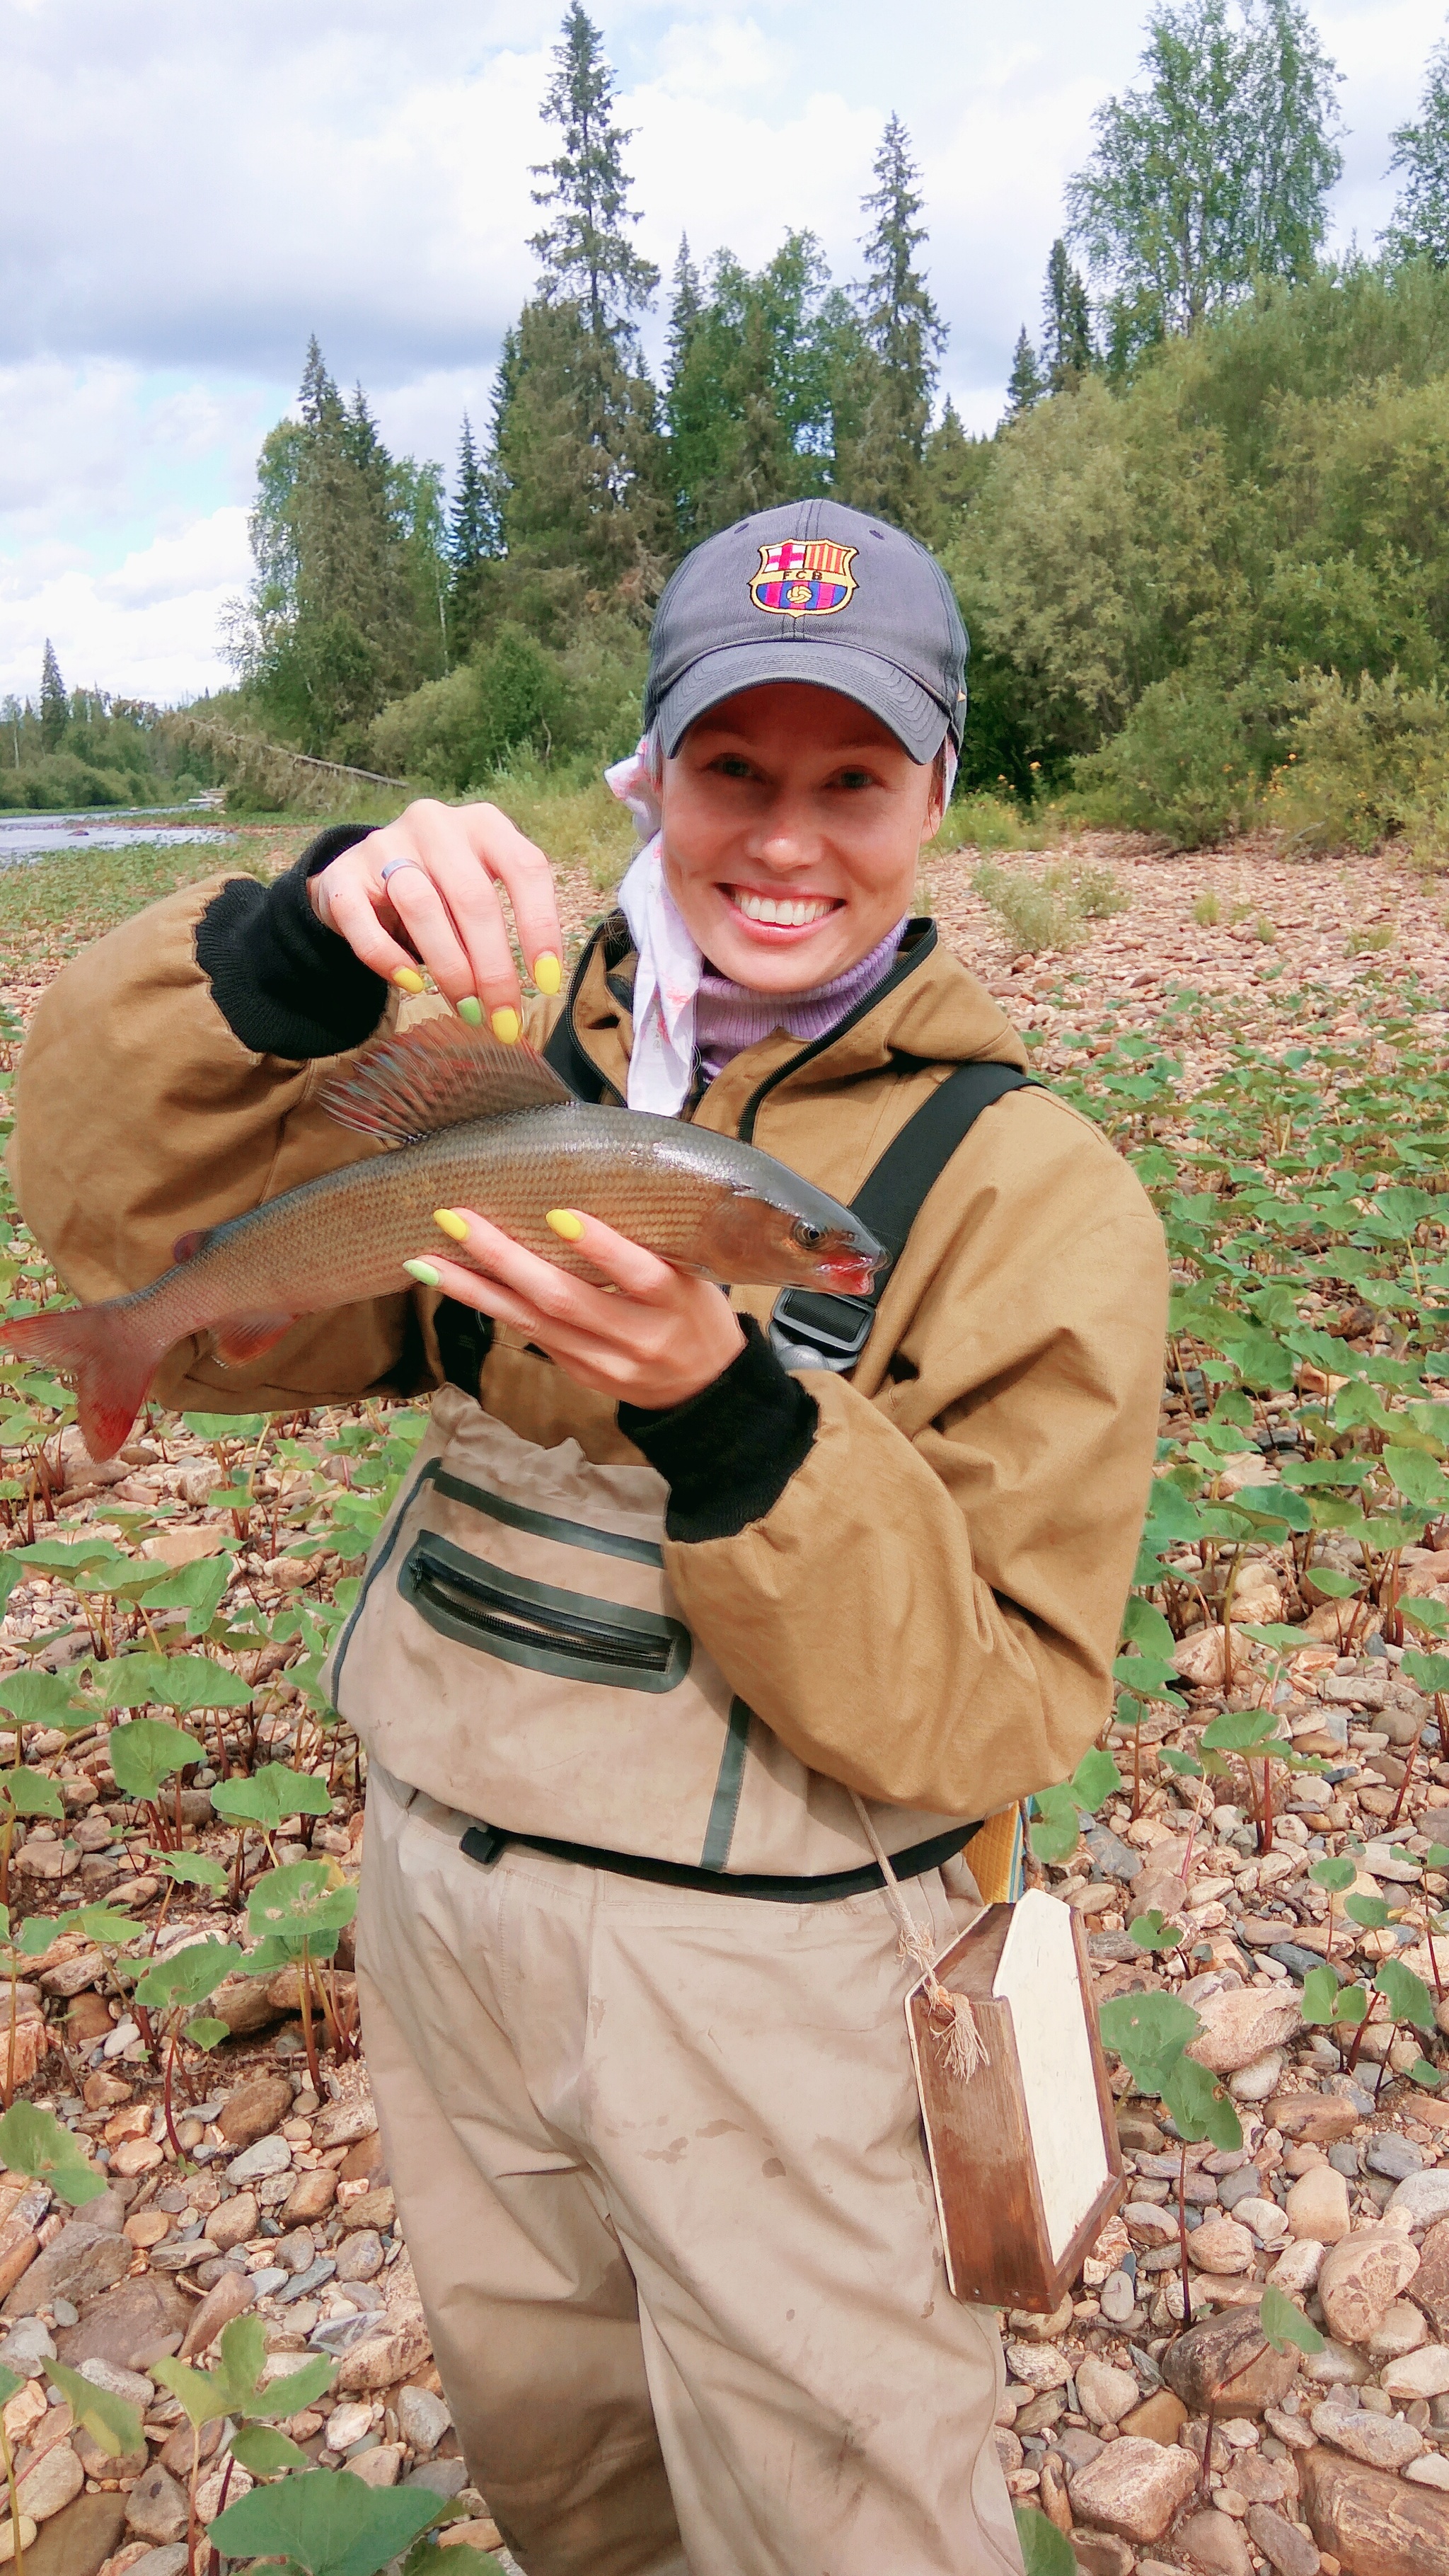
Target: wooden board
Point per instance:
(994, 2220)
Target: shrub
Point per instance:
(1052, 909)
(1182, 765)
(987, 822)
(1362, 763)
(1207, 910)
(452, 732)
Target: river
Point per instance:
(41, 836)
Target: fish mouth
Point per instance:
(850, 1274)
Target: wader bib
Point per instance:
(516, 1651)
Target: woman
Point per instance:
(632, 1989)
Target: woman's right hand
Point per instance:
(440, 908)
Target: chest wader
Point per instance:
(517, 1653)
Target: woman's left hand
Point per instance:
(659, 1339)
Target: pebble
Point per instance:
(1118, 2297)
(1380, 2441)
(1317, 2205)
(270, 2156)
(422, 2418)
(1397, 2157)
(1423, 2197)
(1362, 2276)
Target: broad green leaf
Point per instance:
(1056, 1828)
(102, 1924)
(113, 2424)
(1369, 1911)
(1147, 1674)
(1284, 2324)
(1333, 1872)
(42, 1699)
(189, 1975)
(147, 1753)
(1144, 1625)
(1333, 1585)
(1174, 1758)
(1407, 1996)
(1350, 2007)
(33, 2142)
(1417, 1478)
(1095, 1778)
(306, 1897)
(30, 1793)
(1201, 2105)
(184, 1682)
(206, 2032)
(11, 2384)
(203, 2395)
(1273, 1505)
(1430, 1617)
(272, 1792)
(196, 1588)
(1431, 1672)
(193, 1869)
(1320, 1994)
(1241, 1730)
(286, 2397)
(327, 2522)
(1152, 1931)
(1148, 2033)
(263, 2450)
(1045, 2551)
(225, 1426)
(1425, 2072)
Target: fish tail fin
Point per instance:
(102, 1352)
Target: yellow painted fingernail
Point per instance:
(505, 1025)
(408, 980)
(471, 1010)
(564, 1222)
(547, 973)
(424, 1273)
(451, 1223)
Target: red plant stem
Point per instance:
(1398, 1805)
(176, 2146)
(1182, 2233)
(1361, 2034)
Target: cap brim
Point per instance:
(917, 720)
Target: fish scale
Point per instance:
(469, 1124)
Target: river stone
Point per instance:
(1400, 2329)
(1298, 2266)
(1206, 2355)
(1242, 2024)
(1159, 2418)
(156, 2506)
(78, 2540)
(359, 2257)
(1380, 2441)
(1431, 2469)
(447, 2478)
(379, 2467)
(1390, 2154)
(1221, 2245)
(254, 2109)
(1317, 2205)
(269, 2157)
(136, 2323)
(1431, 2281)
(1134, 2488)
(1260, 2077)
(1212, 2540)
(1424, 2197)
(1337, 2365)
(26, 2346)
(229, 2297)
(231, 2222)
(1039, 2365)
(1118, 2296)
(1362, 2276)
(1104, 2393)
(1424, 2373)
(1265, 2218)
(422, 2418)
(83, 2261)
(342, 2124)
(1287, 2549)
(381, 2360)
(56, 2480)
(1372, 2524)
(169, 2560)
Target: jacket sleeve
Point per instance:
(917, 1579)
(170, 1080)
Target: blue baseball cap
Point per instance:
(818, 593)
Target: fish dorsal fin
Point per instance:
(438, 1075)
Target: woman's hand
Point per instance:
(659, 1340)
(444, 865)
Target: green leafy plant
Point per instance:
(1045, 2551)
(33, 2142)
(326, 2523)
(1151, 2033)
(234, 2389)
(297, 1916)
(175, 1988)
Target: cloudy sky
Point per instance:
(189, 192)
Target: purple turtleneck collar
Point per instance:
(729, 1017)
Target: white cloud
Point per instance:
(203, 188)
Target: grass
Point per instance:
(1051, 907)
(1207, 912)
(78, 894)
(986, 822)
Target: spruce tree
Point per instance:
(54, 705)
(1025, 384)
(585, 253)
(318, 399)
(1419, 227)
(1067, 316)
(905, 335)
(470, 521)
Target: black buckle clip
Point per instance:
(485, 1843)
(809, 1329)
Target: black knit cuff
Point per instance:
(728, 1454)
(283, 984)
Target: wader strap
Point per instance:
(484, 1843)
(812, 1330)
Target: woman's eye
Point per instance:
(730, 765)
(855, 779)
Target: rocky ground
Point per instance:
(272, 2195)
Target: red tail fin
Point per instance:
(99, 1350)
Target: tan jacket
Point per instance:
(929, 1612)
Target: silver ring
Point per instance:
(390, 867)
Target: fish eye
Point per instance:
(806, 1234)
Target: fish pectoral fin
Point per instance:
(439, 1074)
(187, 1246)
(245, 1337)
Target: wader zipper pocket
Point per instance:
(539, 1625)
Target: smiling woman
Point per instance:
(695, 1605)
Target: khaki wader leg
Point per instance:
(593, 2092)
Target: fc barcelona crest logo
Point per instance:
(804, 580)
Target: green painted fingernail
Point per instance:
(424, 1273)
(471, 1010)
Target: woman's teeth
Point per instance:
(784, 912)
